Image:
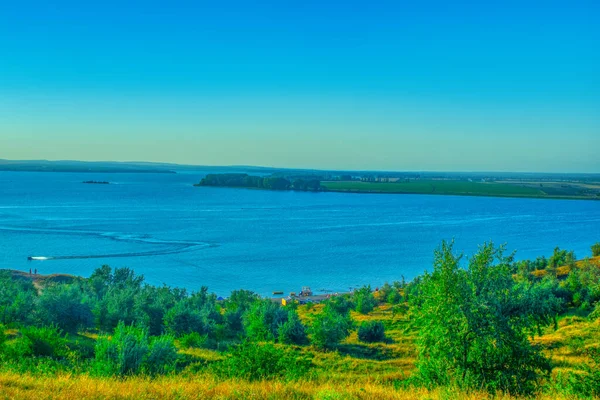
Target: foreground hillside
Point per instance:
(365, 346)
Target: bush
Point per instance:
(341, 304)
(65, 306)
(329, 328)
(130, 352)
(263, 320)
(253, 362)
(183, 319)
(364, 300)
(3, 338)
(17, 300)
(124, 353)
(193, 339)
(596, 249)
(293, 331)
(46, 341)
(162, 355)
(474, 324)
(371, 331)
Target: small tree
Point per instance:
(341, 304)
(293, 331)
(329, 328)
(254, 361)
(65, 306)
(596, 249)
(263, 320)
(129, 352)
(473, 324)
(371, 331)
(17, 300)
(47, 341)
(183, 319)
(364, 300)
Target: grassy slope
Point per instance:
(355, 371)
(443, 187)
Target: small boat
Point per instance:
(278, 292)
(32, 258)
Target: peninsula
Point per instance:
(548, 187)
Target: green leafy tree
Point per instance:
(253, 361)
(184, 318)
(45, 341)
(329, 328)
(473, 324)
(66, 306)
(364, 300)
(596, 249)
(17, 300)
(129, 351)
(341, 304)
(371, 331)
(293, 330)
(263, 319)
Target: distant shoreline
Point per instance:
(558, 190)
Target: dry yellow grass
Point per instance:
(67, 387)
(563, 272)
(356, 371)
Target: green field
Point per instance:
(448, 187)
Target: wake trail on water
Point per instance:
(173, 246)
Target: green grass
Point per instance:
(354, 371)
(435, 187)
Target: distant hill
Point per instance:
(81, 166)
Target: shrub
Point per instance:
(473, 324)
(329, 328)
(183, 319)
(596, 249)
(65, 306)
(341, 304)
(371, 331)
(253, 361)
(193, 339)
(46, 341)
(17, 300)
(124, 353)
(394, 297)
(3, 338)
(130, 352)
(162, 355)
(263, 320)
(364, 300)
(293, 331)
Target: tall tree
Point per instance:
(474, 323)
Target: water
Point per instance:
(174, 233)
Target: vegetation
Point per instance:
(259, 182)
(371, 331)
(596, 250)
(409, 185)
(482, 327)
(465, 187)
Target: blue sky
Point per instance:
(427, 85)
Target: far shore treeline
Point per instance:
(574, 188)
(259, 182)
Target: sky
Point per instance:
(369, 85)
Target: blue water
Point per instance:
(174, 233)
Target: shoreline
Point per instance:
(40, 280)
(353, 191)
